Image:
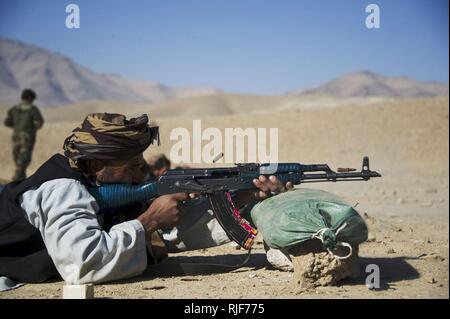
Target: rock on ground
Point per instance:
(314, 267)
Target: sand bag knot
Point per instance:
(330, 243)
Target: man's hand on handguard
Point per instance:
(266, 188)
(163, 212)
(270, 186)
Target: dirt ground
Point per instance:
(407, 210)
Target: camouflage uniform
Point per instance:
(25, 119)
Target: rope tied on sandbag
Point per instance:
(329, 241)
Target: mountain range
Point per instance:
(366, 83)
(59, 81)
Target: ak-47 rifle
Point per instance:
(217, 183)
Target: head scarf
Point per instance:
(108, 136)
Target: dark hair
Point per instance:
(28, 95)
(159, 161)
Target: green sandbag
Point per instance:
(295, 216)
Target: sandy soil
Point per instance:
(407, 210)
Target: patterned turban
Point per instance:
(106, 136)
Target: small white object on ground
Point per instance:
(78, 291)
(279, 260)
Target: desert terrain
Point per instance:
(407, 210)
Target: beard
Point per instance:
(110, 175)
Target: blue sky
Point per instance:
(242, 46)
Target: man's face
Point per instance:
(119, 171)
(29, 101)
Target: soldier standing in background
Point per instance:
(25, 119)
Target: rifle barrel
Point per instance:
(340, 176)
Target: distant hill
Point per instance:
(366, 84)
(59, 81)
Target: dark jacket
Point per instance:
(23, 256)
